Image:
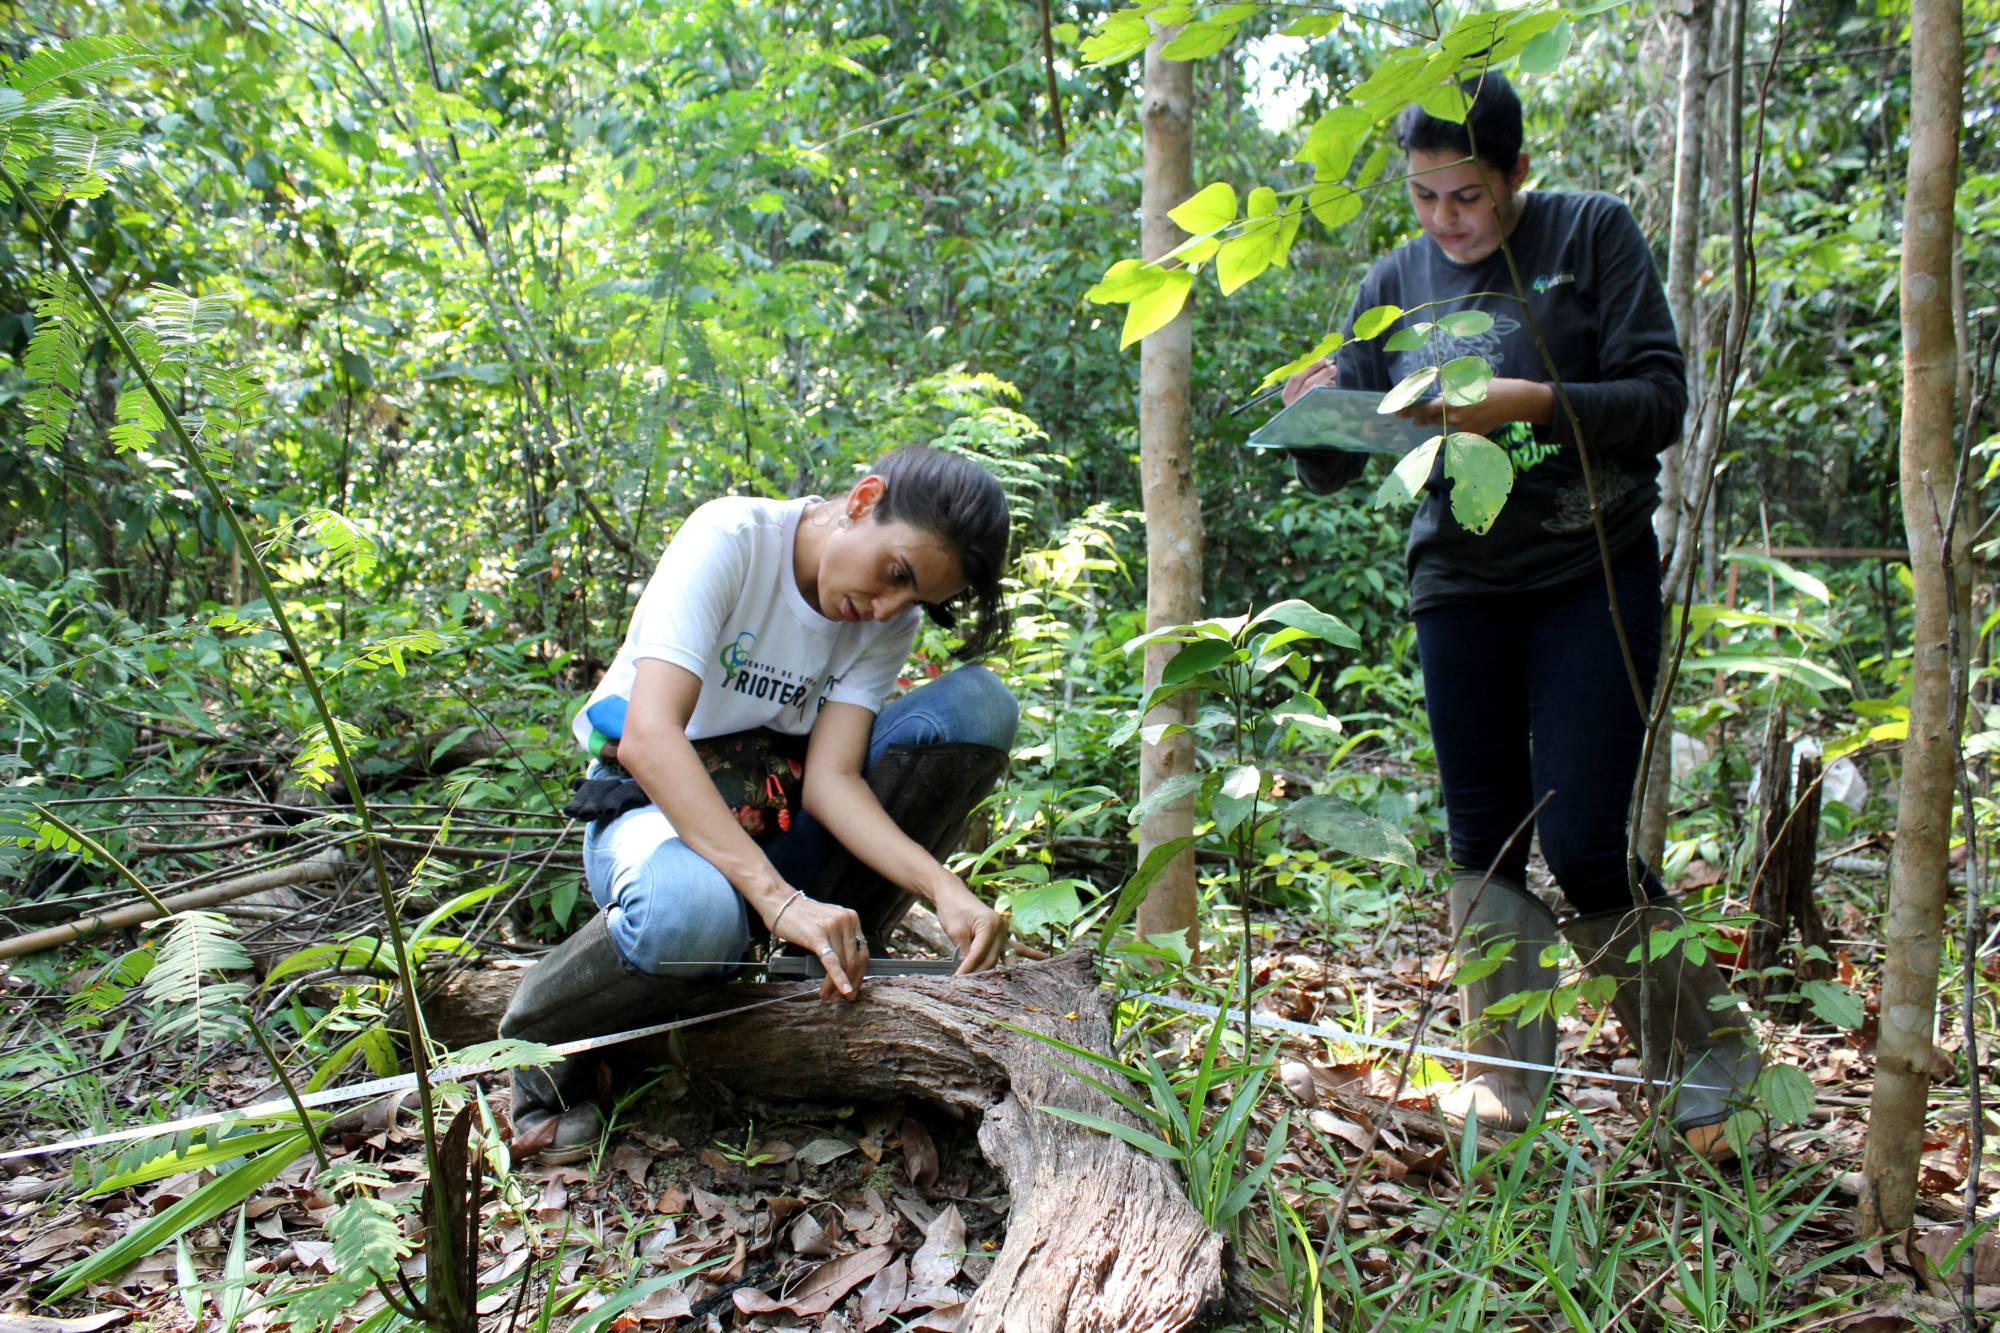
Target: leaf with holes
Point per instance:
(1481, 477)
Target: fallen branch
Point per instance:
(321, 866)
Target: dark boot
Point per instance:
(581, 988)
(1502, 1097)
(929, 790)
(1694, 1027)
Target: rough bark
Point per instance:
(1100, 1236)
(1783, 864)
(1166, 480)
(1914, 925)
(1673, 522)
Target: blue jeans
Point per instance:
(673, 914)
(1528, 695)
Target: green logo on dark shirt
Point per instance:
(1524, 451)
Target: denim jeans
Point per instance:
(673, 914)
(1528, 696)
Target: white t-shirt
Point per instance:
(723, 603)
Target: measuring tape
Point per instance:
(404, 1082)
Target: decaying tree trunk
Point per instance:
(1783, 863)
(1166, 480)
(1100, 1236)
(1914, 926)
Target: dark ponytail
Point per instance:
(952, 498)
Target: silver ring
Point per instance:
(826, 948)
(860, 943)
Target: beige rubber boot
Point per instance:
(1502, 1097)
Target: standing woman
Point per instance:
(1527, 690)
(747, 772)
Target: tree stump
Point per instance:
(1786, 855)
(1100, 1236)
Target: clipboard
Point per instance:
(1329, 417)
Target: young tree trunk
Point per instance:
(1673, 523)
(1917, 884)
(1166, 475)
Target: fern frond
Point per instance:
(54, 361)
(191, 1003)
(389, 651)
(139, 420)
(81, 58)
(367, 1237)
(316, 762)
(87, 158)
(180, 319)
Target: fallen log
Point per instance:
(1100, 1236)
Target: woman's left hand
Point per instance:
(1506, 400)
(979, 932)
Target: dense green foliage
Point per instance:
(466, 314)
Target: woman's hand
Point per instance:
(1506, 400)
(979, 932)
(833, 933)
(1309, 378)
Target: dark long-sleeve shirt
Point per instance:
(1598, 304)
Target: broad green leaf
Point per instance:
(1066, 33)
(1545, 50)
(1481, 477)
(1466, 323)
(1177, 787)
(1035, 910)
(1375, 319)
(1312, 25)
(1322, 349)
(1334, 205)
(1233, 800)
(1262, 203)
(1200, 656)
(190, 1211)
(1465, 380)
(1157, 308)
(1786, 1091)
(1134, 892)
(1409, 338)
(1288, 231)
(1195, 250)
(1305, 616)
(1203, 37)
(1243, 258)
(1446, 101)
(1127, 280)
(1124, 34)
(1331, 143)
(1834, 1003)
(1407, 392)
(1784, 573)
(1410, 475)
(1803, 670)
(1334, 823)
(1208, 209)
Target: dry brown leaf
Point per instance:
(920, 1157)
(314, 1254)
(634, 1161)
(939, 1258)
(821, 1151)
(884, 1295)
(27, 1323)
(810, 1236)
(822, 1289)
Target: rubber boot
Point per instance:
(581, 988)
(930, 791)
(1694, 1027)
(1502, 1097)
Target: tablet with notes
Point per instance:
(1328, 417)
